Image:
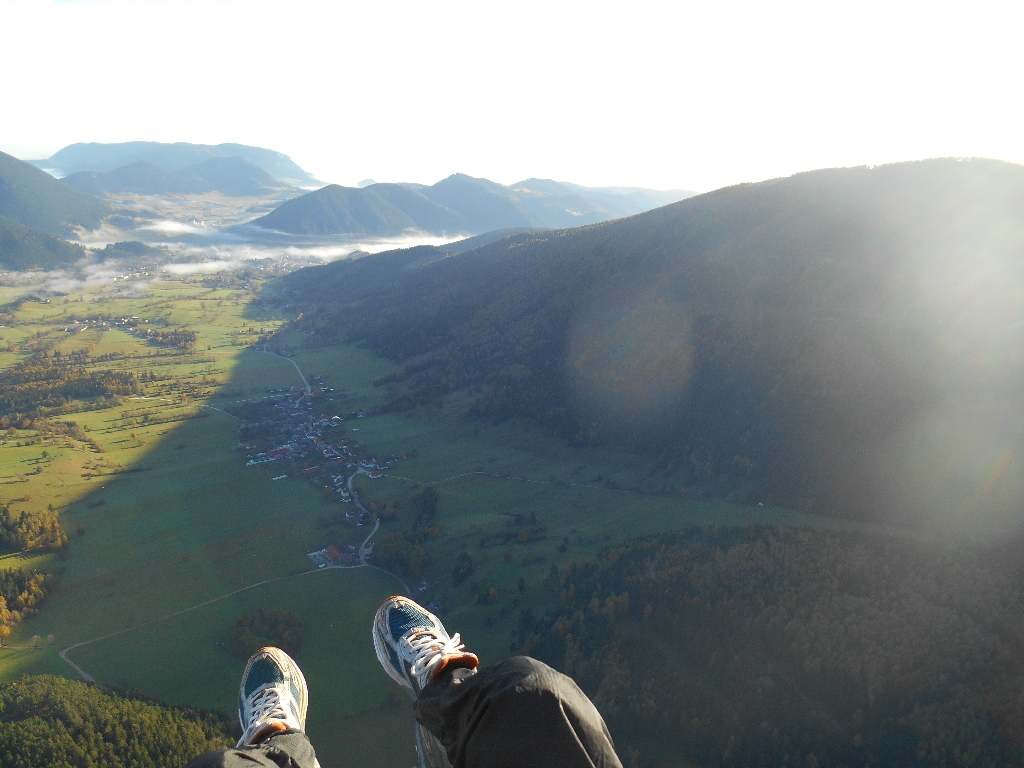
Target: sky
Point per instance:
(667, 95)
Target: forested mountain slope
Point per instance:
(485, 204)
(234, 176)
(23, 248)
(390, 210)
(35, 199)
(141, 178)
(781, 647)
(850, 341)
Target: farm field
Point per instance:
(163, 514)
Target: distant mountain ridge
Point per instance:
(102, 158)
(459, 204)
(233, 176)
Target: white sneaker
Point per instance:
(413, 646)
(272, 696)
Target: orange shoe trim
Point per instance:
(456, 661)
(266, 733)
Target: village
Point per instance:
(302, 432)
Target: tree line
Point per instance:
(44, 385)
(20, 594)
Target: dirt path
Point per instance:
(88, 678)
(290, 360)
(364, 550)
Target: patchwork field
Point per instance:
(172, 535)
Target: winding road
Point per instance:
(290, 360)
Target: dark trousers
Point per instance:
(517, 713)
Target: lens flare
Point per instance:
(630, 358)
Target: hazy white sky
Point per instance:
(659, 94)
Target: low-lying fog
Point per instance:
(192, 249)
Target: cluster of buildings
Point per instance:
(332, 556)
(98, 322)
(300, 436)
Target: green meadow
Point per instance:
(166, 516)
(172, 536)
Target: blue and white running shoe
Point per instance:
(413, 645)
(272, 696)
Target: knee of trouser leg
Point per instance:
(526, 666)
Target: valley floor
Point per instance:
(170, 529)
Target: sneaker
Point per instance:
(413, 646)
(272, 696)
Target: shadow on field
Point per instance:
(165, 550)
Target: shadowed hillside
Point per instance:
(849, 341)
(775, 647)
(35, 199)
(24, 248)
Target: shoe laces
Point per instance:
(266, 706)
(430, 649)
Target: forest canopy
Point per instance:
(58, 723)
(48, 384)
(773, 647)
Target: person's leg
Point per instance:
(289, 749)
(518, 712)
(272, 703)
